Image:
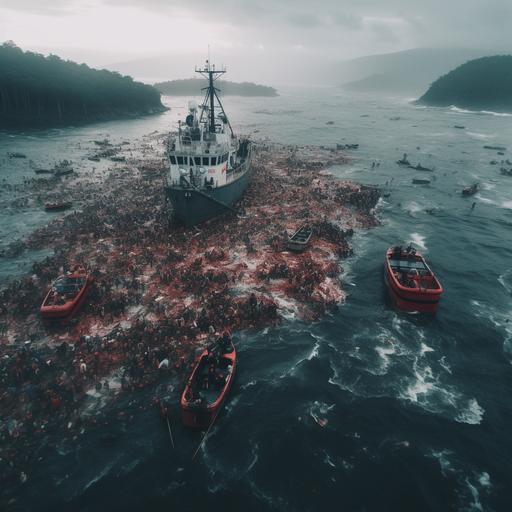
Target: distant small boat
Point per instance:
(93, 158)
(419, 181)
(420, 167)
(506, 172)
(299, 241)
(471, 190)
(496, 148)
(208, 386)
(459, 127)
(16, 155)
(411, 284)
(118, 158)
(104, 142)
(40, 170)
(63, 168)
(66, 295)
(59, 206)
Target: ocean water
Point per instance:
(367, 409)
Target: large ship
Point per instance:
(209, 167)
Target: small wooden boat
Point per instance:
(419, 181)
(411, 284)
(471, 190)
(300, 239)
(208, 385)
(66, 295)
(57, 207)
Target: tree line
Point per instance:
(39, 90)
(484, 83)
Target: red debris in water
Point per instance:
(158, 289)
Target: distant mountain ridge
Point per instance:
(40, 91)
(193, 86)
(483, 84)
(407, 72)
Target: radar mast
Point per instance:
(211, 74)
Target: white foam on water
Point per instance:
(446, 367)
(384, 353)
(476, 504)
(312, 354)
(413, 207)
(472, 414)
(319, 410)
(328, 460)
(424, 348)
(419, 240)
(507, 205)
(480, 136)
(453, 108)
(424, 383)
(442, 457)
(485, 200)
(426, 391)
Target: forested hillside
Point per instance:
(192, 87)
(484, 84)
(39, 91)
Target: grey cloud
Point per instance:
(45, 7)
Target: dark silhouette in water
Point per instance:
(39, 91)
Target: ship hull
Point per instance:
(192, 206)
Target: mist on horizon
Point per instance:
(267, 42)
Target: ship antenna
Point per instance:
(211, 74)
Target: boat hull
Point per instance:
(410, 299)
(193, 206)
(66, 311)
(200, 417)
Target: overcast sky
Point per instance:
(278, 33)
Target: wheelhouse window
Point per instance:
(173, 159)
(197, 160)
(180, 160)
(206, 161)
(214, 160)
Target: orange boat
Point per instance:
(66, 295)
(208, 385)
(411, 283)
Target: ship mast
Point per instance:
(211, 74)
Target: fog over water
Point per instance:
(286, 42)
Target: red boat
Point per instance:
(208, 385)
(411, 283)
(66, 295)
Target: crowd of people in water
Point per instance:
(162, 291)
